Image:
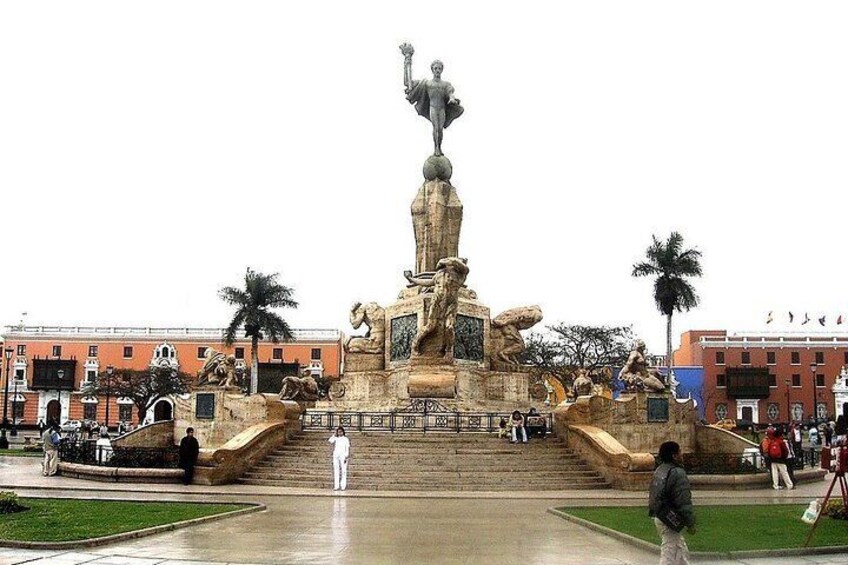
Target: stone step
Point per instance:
(424, 466)
(355, 484)
(431, 461)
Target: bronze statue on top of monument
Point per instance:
(433, 98)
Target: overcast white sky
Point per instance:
(150, 151)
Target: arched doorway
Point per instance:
(162, 411)
(54, 410)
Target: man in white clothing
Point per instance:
(341, 454)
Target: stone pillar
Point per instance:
(436, 220)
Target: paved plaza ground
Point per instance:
(301, 526)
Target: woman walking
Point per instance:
(341, 454)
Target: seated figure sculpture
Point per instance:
(218, 369)
(303, 388)
(635, 374)
(373, 316)
(583, 385)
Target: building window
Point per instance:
(316, 353)
(772, 412)
(819, 380)
(19, 374)
(57, 351)
(92, 351)
(721, 411)
(772, 381)
(17, 410)
(796, 380)
(125, 412)
(277, 353)
(846, 357)
(128, 352)
(201, 352)
(90, 375)
(819, 357)
(89, 411)
(719, 357)
(771, 358)
(239, 352)
(721, 381)
(746, 357)
(22, 351)
(795, 358)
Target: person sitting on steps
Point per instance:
(518, 427)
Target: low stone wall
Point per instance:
(710, 439)
(158, 434)
(120, 474)
(225, 464)
(621, 468)
(750, 480)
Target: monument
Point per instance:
(437, 340)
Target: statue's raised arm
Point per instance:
(407, 51)
(433, 98)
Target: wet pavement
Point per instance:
(358, 527)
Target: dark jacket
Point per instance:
(670, 485)
(189, 448)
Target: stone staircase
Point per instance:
(431, 461)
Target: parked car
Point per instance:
(73, 426)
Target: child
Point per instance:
(503, 432)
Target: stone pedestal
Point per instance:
(408, 315)
(436, 220)
(218, 414)
(364, 362)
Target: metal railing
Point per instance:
(87, 452)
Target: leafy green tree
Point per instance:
(671, 265)
(144, 387)
(253, 313)
(566, 348)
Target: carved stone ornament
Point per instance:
(218, 369)
(303, 388)
(507, 343)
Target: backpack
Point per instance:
(775, 449)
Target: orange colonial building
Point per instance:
(769, 377)
(50, 365)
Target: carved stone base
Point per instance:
(360, 362)
(431, 384)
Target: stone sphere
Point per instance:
(437, 167)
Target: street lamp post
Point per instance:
(813, 367)
(61, 375)
(14, 431)
(4, 441)
(109, 371)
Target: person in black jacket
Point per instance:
(189, 448)
(670, 490)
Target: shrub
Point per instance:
(717, 464)
(9, 503)
(836, 510)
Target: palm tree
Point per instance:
(253, 313)
(671, 265)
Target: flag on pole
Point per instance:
(839, 320)
(770, 318)
(791, 317)
(806, 318)
(821, 320)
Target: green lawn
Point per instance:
(727, 528)
(20, 453)
(56, 519)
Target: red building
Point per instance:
(766, 378)
(50, 365)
